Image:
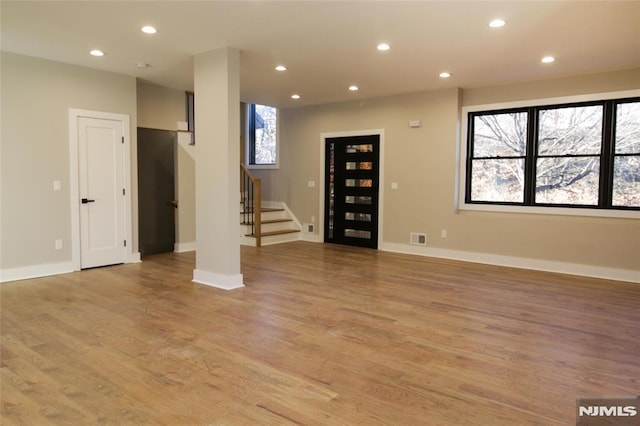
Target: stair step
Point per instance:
(281, 232)
(268, 221)
(264, 210)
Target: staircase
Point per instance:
(263, 222)
(277, 226)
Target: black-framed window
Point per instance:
(583, 154)
(262, 135)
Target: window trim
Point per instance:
(463, 172)
(248, 145)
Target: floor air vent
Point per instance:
(418, 239)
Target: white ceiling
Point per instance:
(329, 45)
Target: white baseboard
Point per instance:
(312, 238)
(35, 271)
(518, 262)
(225, 282)
(183, 247)
(48, 269)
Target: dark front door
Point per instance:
(351, 197)
(156, 205)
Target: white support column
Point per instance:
(217, 134)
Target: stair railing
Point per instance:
(251, 190)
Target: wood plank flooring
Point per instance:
(320, 335)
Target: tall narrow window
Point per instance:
(626, 158)
(568, 155)
(190, 109)
(263, 135)
(498, 157)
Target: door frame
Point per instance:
(381, 181)
(74, 186)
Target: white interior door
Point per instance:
(101, 184)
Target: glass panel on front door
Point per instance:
(368, 183)
(361, 165)
(350, 149)
(362, 217)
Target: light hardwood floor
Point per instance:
(320, 335)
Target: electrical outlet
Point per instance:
(58, 244)
(443, 233)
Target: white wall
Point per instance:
(36, 97)
(160, 107)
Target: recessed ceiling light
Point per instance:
(148, 29)
(497, 23)
(353, 88)
(547, 59)
(295, 96)
(96, 52)
(445, 74)
(383, 47)
(281, 68)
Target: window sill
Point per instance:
(558, 211)
(263, 166)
